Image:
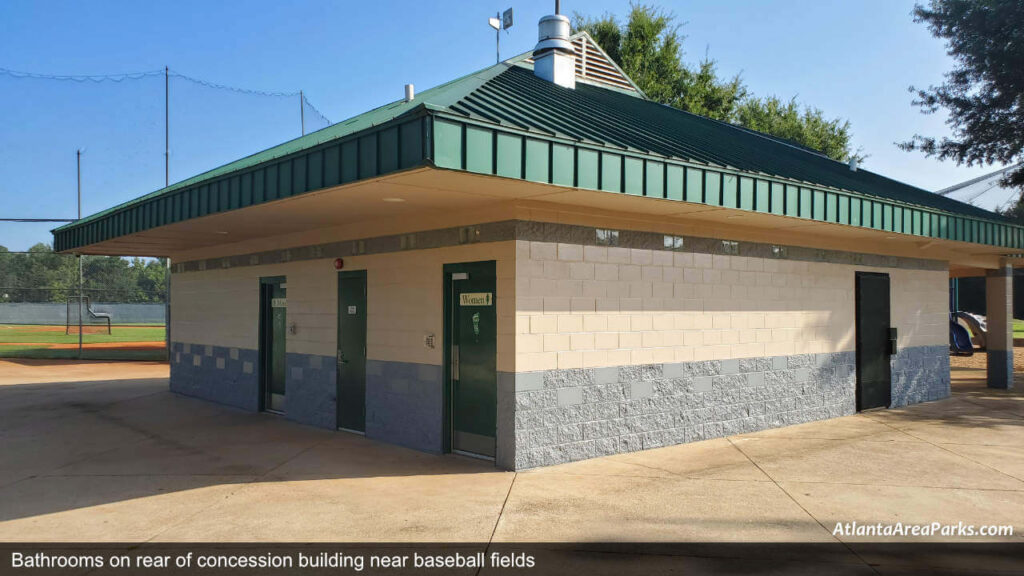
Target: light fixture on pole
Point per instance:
(501, 21)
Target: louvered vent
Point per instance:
(593, 66)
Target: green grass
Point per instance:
(19, 333)
(23, 341)
(1018, 329)
(31, 352)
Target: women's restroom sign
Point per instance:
(476, 299)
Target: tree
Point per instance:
(152, 279)
(705, 94)
(648, 48)
(807, 126)
(650, 51)
(6, 276)
(1015, 211)
(40, 275)
(984, 93)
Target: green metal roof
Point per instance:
(505, 121)
(520, 99)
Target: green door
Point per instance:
(352, 350)
(471, 356)
(273, 320)
(874, 375)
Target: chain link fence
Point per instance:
(118, 311)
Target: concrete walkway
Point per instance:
(125, 460)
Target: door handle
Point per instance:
(455, 362)
(341, 358)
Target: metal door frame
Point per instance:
(859, 349)
(343, 274)
(449, 310)
(264, 306)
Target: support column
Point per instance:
(999, 340)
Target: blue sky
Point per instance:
(852, 59)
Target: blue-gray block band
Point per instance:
(311, 391)
(1000, 369)
(216, 373)
(405, 404)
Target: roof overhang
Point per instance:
(342, 181)
(428, 198)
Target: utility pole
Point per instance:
(302, 112)
(78, 170)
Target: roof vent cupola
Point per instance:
(553, 57)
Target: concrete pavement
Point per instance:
(125, 460)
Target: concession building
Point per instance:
(536, 264)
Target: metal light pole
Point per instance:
(496, 24)
(501, 21)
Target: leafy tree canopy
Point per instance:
(648, 48)
(40, 275)
(984, 93)
(806, 126)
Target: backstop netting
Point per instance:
(130, 132)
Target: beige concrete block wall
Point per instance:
(571, 306)
(216, 307)
(405, 300)
(404, 303)
(221, 307)
(591, 306)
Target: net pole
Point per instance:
(167, 182)
(302, 112)
(167, 127)
(78, 170)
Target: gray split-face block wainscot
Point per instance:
(567, 415)
(920, 374)
(557, 416)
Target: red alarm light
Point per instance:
(339, 263)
